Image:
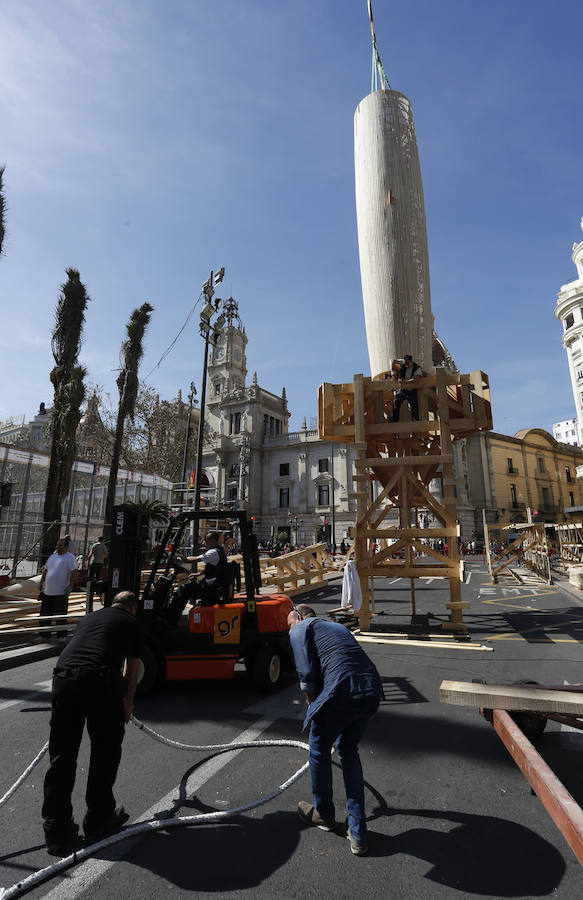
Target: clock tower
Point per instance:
(228, 363)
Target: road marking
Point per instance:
(510, 605)
(79, 880)
(512, 636)
(35, 695)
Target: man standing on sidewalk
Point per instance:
(343, 690)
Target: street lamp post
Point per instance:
(191, 397)
(209, 331)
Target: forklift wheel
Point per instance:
(267, 668)
(148, 673)
(531, 724)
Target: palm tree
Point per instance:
(69, 392)
(2, 208)
(127, 384)
(156, 511)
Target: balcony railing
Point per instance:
(291, 437)
(512, 470)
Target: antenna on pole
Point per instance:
(378, 73)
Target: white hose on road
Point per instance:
(32, 881)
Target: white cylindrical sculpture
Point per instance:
(392, 237)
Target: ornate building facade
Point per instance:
(289, 481)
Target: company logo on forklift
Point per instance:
(227, 626)
(119, 522)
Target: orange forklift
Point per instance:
(209, 639)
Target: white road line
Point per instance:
(79, 880)
(35, 695)
(469, 577)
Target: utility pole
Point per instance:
(209, 331)
(191, 397)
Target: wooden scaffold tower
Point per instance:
(404, 457)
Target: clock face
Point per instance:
(219, 352)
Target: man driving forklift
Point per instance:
(206, 587)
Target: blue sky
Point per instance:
(146, 143)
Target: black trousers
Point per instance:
(412, 400)
(95, 699)
(55, 605)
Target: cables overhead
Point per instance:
(169, 348)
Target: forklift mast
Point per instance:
(174, 538)
(129, 534)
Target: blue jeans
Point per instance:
(344, 724)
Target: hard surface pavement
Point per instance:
(450, 815)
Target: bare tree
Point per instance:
(127, 384)
(67, 380)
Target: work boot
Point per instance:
(62, 841)
(310, 815)
(114, 823)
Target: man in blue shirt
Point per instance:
(343, 690)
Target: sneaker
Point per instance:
(310, 815)
(115, 822)
(359, 848)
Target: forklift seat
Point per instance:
(232, 582)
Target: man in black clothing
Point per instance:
(207, 586)
(88, 687)
(409, 373)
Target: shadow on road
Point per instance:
(476, 854)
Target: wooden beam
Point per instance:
(444, 645)
(382, 462)
(500, 696)
(556, 799)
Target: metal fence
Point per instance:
(21, 523)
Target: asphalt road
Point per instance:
(450, 815)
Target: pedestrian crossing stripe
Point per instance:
(513, 636)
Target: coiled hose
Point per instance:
(32, 881)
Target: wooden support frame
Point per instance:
(402, 458)
(530, 549)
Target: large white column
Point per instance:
(392, 237)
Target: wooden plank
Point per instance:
(500, 696)
(445, 645)
(556, 799)
(383, 462)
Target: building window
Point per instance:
(234, 470)
(569, 320)
(235, 423)
(513, 496)
(540, 463)
(568, 475)
(571, 498)
(283, 469)
(511, 469)
(322, 465)
(547, 498)
(283, 498)
(217, 388)
(232, 493)
(579, 374)
(323, 493)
